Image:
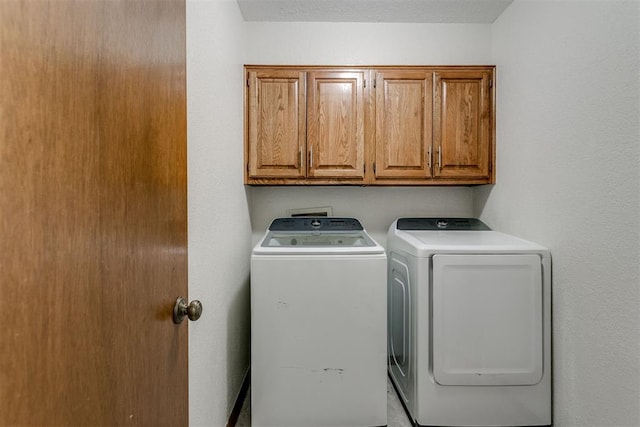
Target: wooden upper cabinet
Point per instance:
(403, 124)
(378, 125)
(335, 124)
(276, 123)
(462, 123)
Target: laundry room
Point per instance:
(567, 163)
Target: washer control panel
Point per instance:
(317, 224)
(449, 224)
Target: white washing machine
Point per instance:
(469, 324)
(318, 325)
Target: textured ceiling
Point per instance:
(426, 11)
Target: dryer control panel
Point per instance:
(449, 224)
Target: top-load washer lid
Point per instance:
(317, 235)
(424, 237)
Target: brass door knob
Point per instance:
(192, 310)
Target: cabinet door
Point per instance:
(403, 123)
(335, 111)
(462, 125)
(276, 126)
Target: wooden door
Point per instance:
(403, 124)
(93, 242)
(462, 124)
(336, 117)
(276, 124)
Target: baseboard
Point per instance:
(242, 395)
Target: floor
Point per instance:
(396, 416)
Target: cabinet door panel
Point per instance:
(403, 124)
(462, 124)
(276, 124)
(335, 138)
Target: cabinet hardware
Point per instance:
(311, 157)
(439, 157)
(365, 82)
(490, 83)
(374, 168)
(429, 158)
(300, 156)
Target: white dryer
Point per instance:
(318, 325)
(469, 324)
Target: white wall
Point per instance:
(324, 43)
(568, 139)
(375, 207)
(219, 227)
(318, 43)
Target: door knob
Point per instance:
(182, 309)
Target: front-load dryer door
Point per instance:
(487, 319)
